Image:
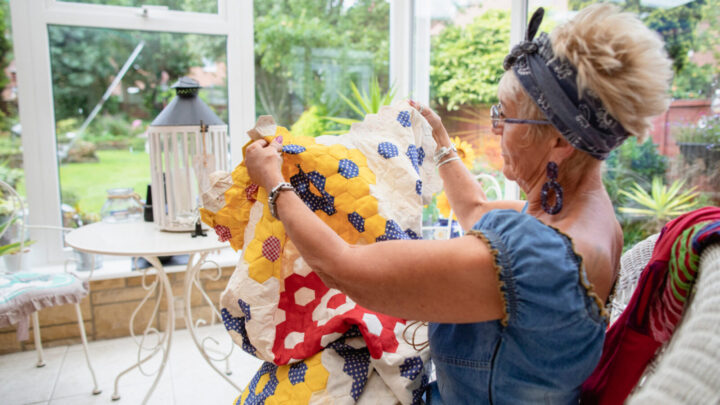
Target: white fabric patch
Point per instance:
(373, 324)
(303, 296)
(293, 339)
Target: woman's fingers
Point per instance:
(263, 162)
(439, 132)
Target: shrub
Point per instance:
(311, 122)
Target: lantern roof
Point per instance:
(186, 108)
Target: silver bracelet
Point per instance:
(442, 152)
(272, 197)
(448, 161)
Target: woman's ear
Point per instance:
(560, 149)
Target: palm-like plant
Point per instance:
(662, 203)
(362, 104)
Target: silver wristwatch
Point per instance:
(272, 197)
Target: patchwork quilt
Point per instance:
(369, 186)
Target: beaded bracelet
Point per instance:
(448, 161)
(442, 152)
(272, 197)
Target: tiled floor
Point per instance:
(187, 378)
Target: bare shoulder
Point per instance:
(598, 239)
(516, 205)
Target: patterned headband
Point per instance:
(551, 83)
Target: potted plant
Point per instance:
(661, 204)
(13, 239)
(701, 141)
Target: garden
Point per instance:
(316, 74)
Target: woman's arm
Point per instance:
(440, 281)
(463, 191)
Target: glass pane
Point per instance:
(101, 122)
(11, 159)
(469, 40)
(198, 6)
(308, 54)
(683, 146)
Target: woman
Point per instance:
(515, 305)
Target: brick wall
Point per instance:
(107, 310)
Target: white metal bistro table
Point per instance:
(143, 239)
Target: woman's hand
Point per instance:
(263, 162)
(438, 129)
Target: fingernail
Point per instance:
(279, 139)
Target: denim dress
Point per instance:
(551, 337)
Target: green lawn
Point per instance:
(116, 168)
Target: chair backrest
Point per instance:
(632, 264)
(687, 369)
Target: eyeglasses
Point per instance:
(497, 116)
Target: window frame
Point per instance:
(235, 20)
(419, 86)
(30, 20)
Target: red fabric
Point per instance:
(299, 320)
(629, 345)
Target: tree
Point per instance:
(305, 50)
(466, 63)
(5, 58)
(84, 62)
(677, 26)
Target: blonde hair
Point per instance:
(617, 58)
(620, 60)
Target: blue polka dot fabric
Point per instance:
(357, 364)
(418, 187)
(414, 156)
(392, 232)
(411, 367)
(411, 234)
(245, 308)
(417, 393)
(357, 221)
(238, 325)
(324, 202)
(297, 373)
(269, 389)
(388, 150)
(404, 118)
(293, 149)
(348, 168)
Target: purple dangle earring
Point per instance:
(552, 174)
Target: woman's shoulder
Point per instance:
(511, 224)
(523, 242)
(538, 265)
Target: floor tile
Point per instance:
(186, 380)
(194, 387)
(23, 383)
(130, 394)
(109, 358)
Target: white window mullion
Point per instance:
(421, 51)
(401, 25)
(518, 23)
(32, 60)
(241, 75)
